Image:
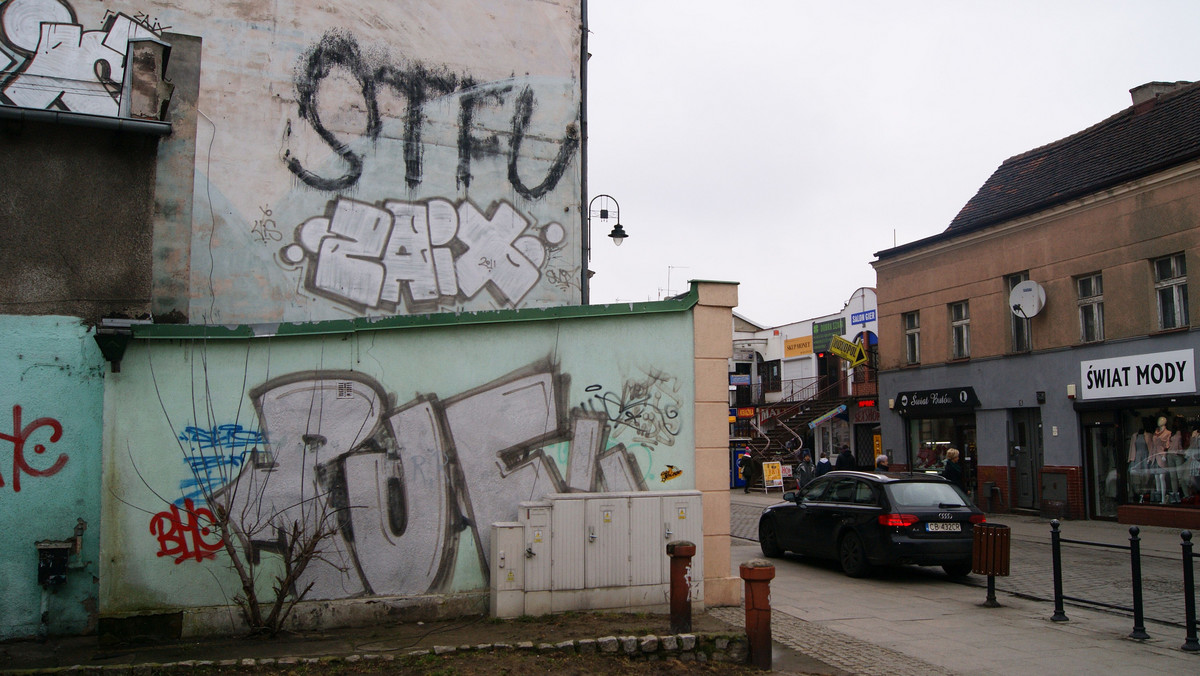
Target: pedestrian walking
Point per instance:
(823, 465)
(804, 472)
(952, 470)
(751, 467)
(845, 460)
(881, 463)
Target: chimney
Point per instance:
(146, 93)
(1144, 96)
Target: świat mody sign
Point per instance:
(1138, 375)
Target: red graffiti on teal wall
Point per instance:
(19, 437)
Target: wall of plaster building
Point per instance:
(51, 392)
(386, 158)
(76, 209)
(432, 434)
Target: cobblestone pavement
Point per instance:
(855, 656)
(1100, 575)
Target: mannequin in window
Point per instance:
(1139, 482)
(1176, 460)
(1163, 462)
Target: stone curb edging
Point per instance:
(684, 647)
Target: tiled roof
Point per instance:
(1135, 142)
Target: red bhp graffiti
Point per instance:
(19, 436)
(180, 532)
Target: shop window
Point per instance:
(1020, 325)
(912, 337)
(1170, 284)
(960, 329)
(928, 440)
(1164, 457)
(1091, 308)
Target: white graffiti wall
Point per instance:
(358, 159)
(411, 442)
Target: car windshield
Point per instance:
(924, 494)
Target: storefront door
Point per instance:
(1025, 456)
(1100, 451)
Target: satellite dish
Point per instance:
(1027, 299)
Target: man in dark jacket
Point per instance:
(845, 460)
(804, 471)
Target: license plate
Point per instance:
(943, 527)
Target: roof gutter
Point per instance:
(66, 117)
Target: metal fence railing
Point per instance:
(1191, 644)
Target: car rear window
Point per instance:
(923, 494)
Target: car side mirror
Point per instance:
(790, 496)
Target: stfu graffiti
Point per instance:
(417, 84)
(419, 254)
(408, 484)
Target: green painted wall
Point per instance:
(51, 392)
(423, 435)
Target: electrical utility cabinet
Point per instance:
(588, 551)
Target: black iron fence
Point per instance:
(1190, 644)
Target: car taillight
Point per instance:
(897, 520)
(978, 518)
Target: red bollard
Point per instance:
(681, 553)
(758, 574)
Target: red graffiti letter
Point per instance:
(20, 436)
(180, 533)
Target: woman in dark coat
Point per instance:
(952, 470)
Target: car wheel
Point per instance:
(853, 556)
(767, 540)
(957, 569)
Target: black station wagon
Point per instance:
(863, 519)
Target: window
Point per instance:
(769, 373)
(814, 491)
(912, 337)
(960, 329)
(1091, 308)
(842, 491)
(1020, 324)
(863, 495)
(1170, 283)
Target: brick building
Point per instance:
(1048, 333)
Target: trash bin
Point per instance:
(989, 553)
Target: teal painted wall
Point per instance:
(51, 395)
(425, 435)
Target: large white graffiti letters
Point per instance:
(419, 254)
(417, 84)
(408, 482)
(58, 64)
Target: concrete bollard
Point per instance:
(681, 553)
(758, 574)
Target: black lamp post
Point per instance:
(617, 235)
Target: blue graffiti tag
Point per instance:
(209, 474)
(210, 471)
(222, 436)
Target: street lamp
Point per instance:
(617, 235)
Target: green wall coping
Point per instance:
(678, 303)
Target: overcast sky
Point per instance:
(781, 144)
